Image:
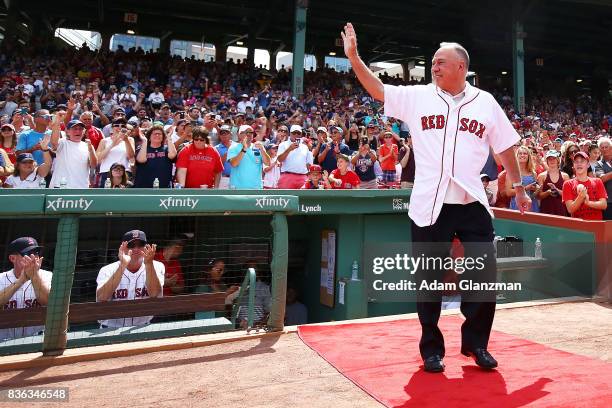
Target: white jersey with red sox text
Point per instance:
(132, 286)
(451, 142)
(23, 298)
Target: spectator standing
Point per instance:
(247, 160)
(603, 170)
(295, 157)
(342, 178)
(584, 197)
(135, 275)
(406, 160)
(26, 285)
(199, 164)
(225, 142)
(9, 141)
(92, 133)
(29, 140)
(528, 179)
(551, 182)
(363, 162)
(73, 157)
(387, 155)
(329, 151)
(568, 150)
(272, 172)
(118, 148)
(154, 157)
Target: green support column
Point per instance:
(278, 268)
(299, 46)
(518, 65)
(56, 324)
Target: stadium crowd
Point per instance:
(130, 119)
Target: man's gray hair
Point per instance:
(602, 140)
(461, 52)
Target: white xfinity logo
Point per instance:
(176, 202)
(69, 204)
(267, 201)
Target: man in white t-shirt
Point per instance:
(73, 156)
(24, 286)
(134, 276)
(295, 157)
(156, 98)
(453, 127)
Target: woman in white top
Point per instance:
(272, 172)
(118, 148)
(26, 174)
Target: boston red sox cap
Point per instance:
(23, 246)
(134, 235)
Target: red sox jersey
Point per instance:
(451, 142)
(132, 286)
(23, 298)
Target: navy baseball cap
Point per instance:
(134, 235)
(73, 123)
(25, 157)
(23, 246)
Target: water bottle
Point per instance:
(42, 183)
(355, 271)
(178, 186)
(156, 183)
(107, 183)
(63, 182)
(538, 248)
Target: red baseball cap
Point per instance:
(581, 154)
(314, 167)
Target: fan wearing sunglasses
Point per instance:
(247, 160)
(24, 286)
(29, 140)
(135, 275)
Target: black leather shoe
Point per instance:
(482, 357)
(434, 364)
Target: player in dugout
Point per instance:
(135, 275)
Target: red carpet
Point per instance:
(383, 359)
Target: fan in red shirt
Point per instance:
(199, 163)
(585, 197)
(342, 178)
(174, 282)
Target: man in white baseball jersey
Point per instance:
(24, 286)
(134, 276)
(453, 125)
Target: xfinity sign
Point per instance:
(264, 202)
(61, 203)
(178, 202)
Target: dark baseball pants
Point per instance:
(472, 224)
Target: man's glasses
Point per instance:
(388, 137)
(46, 117)
(296, 133)
(135, 244)
(118, 125)
(249, 132)
(199, 139)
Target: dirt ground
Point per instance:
(279, 371)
